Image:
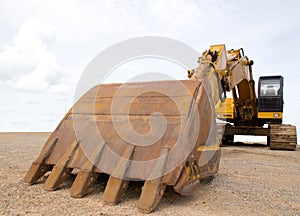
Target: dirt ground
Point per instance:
(252, 180)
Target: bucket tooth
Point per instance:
(152, 192)
(189, 180)
(154, 189)
(38, 168)
(116, 186)
(82, 183)
(114, 190)
(36, 171)
(185, 186)
(60, 172)
(87, 176)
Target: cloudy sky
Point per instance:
(45, 46)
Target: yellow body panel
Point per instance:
(270, 115)
(225, 110)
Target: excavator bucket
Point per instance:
(162, 133)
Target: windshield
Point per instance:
(270, 87)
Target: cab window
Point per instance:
(270, 88)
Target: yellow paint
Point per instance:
(270, 115)
(209, 148)
(217, 48)
(188, 172)
(225, 110)
(235, 52)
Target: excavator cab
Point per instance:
(270, 99)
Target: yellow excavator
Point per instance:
(248, 113)
(162, 132)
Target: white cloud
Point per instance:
(29, 64)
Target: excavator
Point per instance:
(163, 133)
(248, 114)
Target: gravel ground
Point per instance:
(252, 180)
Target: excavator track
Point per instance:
(282, 137)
